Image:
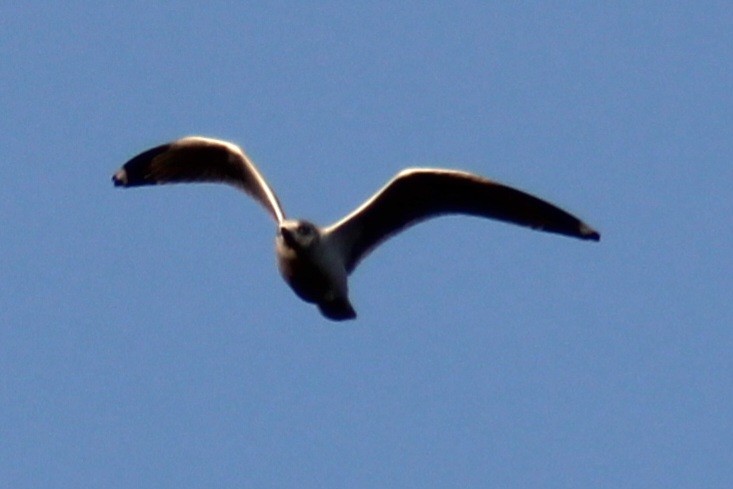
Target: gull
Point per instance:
(316, 261)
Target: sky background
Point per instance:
(147, 340)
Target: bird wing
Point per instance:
(414, 195)
(197, 159)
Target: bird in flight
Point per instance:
(316, 261)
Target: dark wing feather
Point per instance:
(196, 159)
(419, 194)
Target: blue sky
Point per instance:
(147, 340)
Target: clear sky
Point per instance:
(147, 340)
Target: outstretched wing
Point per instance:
(197, 159)
(418, 194)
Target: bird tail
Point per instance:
(337, 309)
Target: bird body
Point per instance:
(316, 261)
(310, 262)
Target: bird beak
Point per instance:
(288, 236)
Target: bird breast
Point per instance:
(313, 274)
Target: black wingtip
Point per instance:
(136, 171)
(587, 232)
(120, 178)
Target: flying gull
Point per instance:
(316, 261)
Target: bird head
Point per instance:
(298, 235)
